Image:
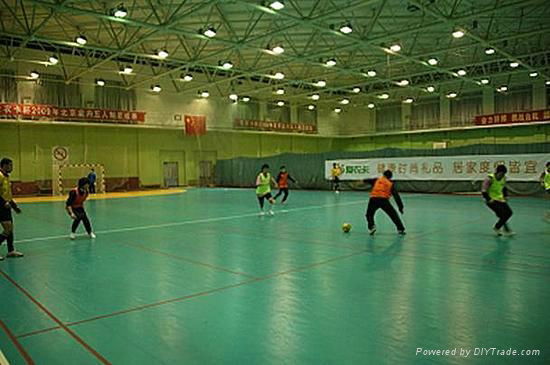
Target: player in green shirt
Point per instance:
(264, 180)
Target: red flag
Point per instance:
(195, 125)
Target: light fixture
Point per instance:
(315, 97)
(403, 82)
(371, 73)
(226, 65)
(278, 49)
(187, 77)
(461, 72)
(204, 94)
(395, 47)
(209, 32)
(100, 82)
(321, 83)
(234, 97)
(430, 89)
(311, 107)
(156, 88)
(514, 64)
(484, 81)
(408, 100)
(337, 110)
(346, 28)
(81, 40)
(120, 11)
(280, 103)
(502, 89)
(126, 70)
(246, 99)
(53, 59)
(383, 96)
(356, 89)
(277, 5)
(371, 106)
(330, 62)
(279, 76)
(280, 91)
(458, 33)
(534, 74)
(162, 53)
(451, 95)
(547, 82)
(344, 101)
(433, 61)
(34, 75)
(489, 51)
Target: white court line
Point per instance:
(204, 220)
(3, 360)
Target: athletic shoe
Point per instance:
(497, 232)
(509, 233)
(262, 213)
(92, 235)
(14, 254)
(1, 258)
(72, 236)
(401, 233)
(283, 203)
(337, 192)
(271, 212)
(372, 231)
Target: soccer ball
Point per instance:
(346, 227)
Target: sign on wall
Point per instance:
(49, 112)
(266, 125)
(527, 167)
(517, 117)
(60, 154)
(195, 125)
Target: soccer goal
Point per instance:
(66, 177)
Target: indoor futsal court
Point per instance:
(274, 182)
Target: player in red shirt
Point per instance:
(75, 207)
(282, 183)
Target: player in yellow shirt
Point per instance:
(335, 173)
(545, 182)
(6, 205)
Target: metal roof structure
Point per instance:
(346, 43)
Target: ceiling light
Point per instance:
(81, 40)
(277, 5)
(534, 74)
(461, 72)
(433, 61)
(280, 91)
(331, 62)
(395, 47)
(226, 65)
(187, 77)
(280, 103)
(489, 51)
(311, 107)
(100, 82)
(371, 73)
(451, 95)
(209, 32)
(356, 89)
(279, 76)
(246, 99)
(346, 28)
(277, 49)
(234, 97)
(485, 81)
(458, 33)
(156, 88)
(315, 97)
(430, 89)
(34, 75)
(514, 64)
(383, 96)
(127, 70)
(120, 11)
(53, 60)
(344, 101)
(162, 53)
(408, 100)
(403, 82)
(204, 94)
(337, 110)
(503, 88)
(371, 106)
(321, 83)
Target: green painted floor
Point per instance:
(199, 278)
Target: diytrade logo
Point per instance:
(357, 169)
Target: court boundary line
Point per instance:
(61, 325)
(28, 359)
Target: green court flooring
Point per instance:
(200, 278)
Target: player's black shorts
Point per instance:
(266, 196)
(5, 215)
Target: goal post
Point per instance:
(66, 177)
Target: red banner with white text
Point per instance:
(195, 125)
(267, 125)
(517, 117)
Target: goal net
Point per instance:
(65, 177)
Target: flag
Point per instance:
(195, 125)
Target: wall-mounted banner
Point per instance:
(525, 167)
(266, 125)
(518, 117)
(195, 125)
(49, 112)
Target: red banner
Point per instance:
(266, 125)
(518, 117)
(195, 125)
(49, 112)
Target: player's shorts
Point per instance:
(5, 215)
